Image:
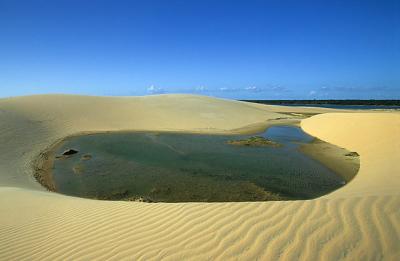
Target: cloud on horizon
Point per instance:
(282, 92)
(351, 92)
(155, 90)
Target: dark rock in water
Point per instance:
(352, 154)
(70, 152)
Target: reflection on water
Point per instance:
(176, 167)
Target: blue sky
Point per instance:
(231, 49)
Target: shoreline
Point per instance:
(319, 151)
(44, 162)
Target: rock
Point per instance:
(70, 152)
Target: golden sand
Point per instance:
(360, 221)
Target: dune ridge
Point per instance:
(360, 221)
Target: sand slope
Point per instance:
(358, 222)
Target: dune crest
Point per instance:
(361, 221)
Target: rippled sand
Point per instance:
(361, 221)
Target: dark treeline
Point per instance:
(331, 102)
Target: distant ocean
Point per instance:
(346, 107)
(336, 104)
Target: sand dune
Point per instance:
(361, 221)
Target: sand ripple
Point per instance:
(359, 222)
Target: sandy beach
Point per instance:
(360, 221)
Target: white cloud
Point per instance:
(200, 89)
(251, 88)
(275, 89)
(254, 89)
(154, 90)
(312, 93)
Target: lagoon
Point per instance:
(181, 167)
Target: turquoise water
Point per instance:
(176, 167)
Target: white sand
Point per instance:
(360, 221)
